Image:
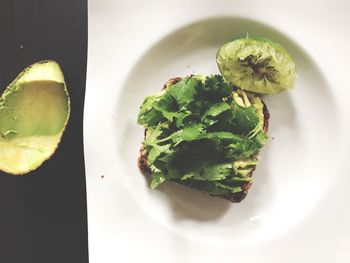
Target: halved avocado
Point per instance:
(34, 111)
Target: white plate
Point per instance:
(297, 209)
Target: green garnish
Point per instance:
(204, 133)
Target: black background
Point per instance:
(43, 214)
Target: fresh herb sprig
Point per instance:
(203, 133)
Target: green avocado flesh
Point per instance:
(257, 64)
(34, 111)
(204, 133)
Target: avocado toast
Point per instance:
(204, 133)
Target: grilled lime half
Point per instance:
(257, 64)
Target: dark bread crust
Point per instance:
(234, 197)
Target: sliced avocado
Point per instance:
(259, 106)
(34, 111)
(241, 98)
(244, 167)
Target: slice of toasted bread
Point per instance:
(234, 197)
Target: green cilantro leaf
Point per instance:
(184, 91)
(199, 136)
